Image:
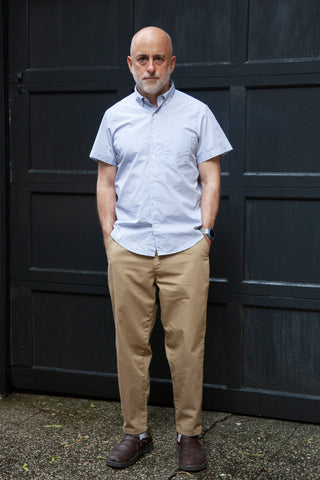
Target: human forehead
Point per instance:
(150, 53)
(151, 45)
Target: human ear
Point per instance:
(129, 61)
(172, 63)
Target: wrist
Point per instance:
(107, 233)
(209, 232)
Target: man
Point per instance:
(158, 191)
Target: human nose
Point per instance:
(150, 68)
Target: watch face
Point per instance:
(209, 232)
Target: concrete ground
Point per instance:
(49, 437)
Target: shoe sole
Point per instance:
(146, 449)
(193, 468)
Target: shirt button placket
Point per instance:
(155, 174)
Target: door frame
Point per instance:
(4, 182)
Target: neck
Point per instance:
(153, 97)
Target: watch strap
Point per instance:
(208, 231)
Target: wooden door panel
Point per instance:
(257, 67)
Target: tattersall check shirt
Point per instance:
(157, 152)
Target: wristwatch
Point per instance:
(208, 231)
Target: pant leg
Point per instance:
(183, 282)
(133, 296)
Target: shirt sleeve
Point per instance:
(103, 145)
(212, 140)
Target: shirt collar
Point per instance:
(166, 96)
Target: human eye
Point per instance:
(158, 59)
(143, 59)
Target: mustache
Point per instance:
(150, 76)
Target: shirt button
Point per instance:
(153, 156)
(156, 226)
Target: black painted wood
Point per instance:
(264, 300)
(245, 401)
(292, 30)
(4, 230)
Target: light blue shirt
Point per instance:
(157, 152)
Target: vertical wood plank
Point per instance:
(4, 232)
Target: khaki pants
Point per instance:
(183, 281)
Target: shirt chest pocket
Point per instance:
(180, 147)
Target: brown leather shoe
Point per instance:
(128, 451)
(192, 457)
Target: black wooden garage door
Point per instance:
(257, 66)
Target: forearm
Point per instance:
(210, 185)
(210, 201)
(106, 199)
(106, 202)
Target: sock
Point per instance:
(143, 435)
(179, 437)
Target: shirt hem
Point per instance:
(214, 153)
(161, 254)
(97, 158)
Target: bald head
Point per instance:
(151, 35)
(151, 62)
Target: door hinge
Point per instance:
(21, 88)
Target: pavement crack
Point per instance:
(221, 420)
(204, 432)
(273, 456)
(290, 435)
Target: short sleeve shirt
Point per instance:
(157, 152)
